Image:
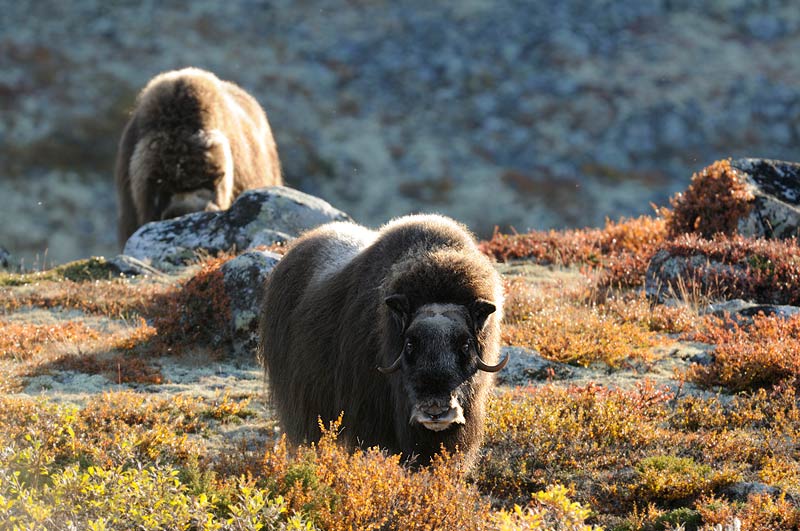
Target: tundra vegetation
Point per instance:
(717, 448)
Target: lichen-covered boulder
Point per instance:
(244, 279)
(742, 311)
(673, 275)
(257, 217)
(755, 269)
(526, 366)
(775, 209)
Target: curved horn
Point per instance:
(492, 368)
(393, 367)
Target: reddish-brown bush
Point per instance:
(763, 354)
(22, 341)
(715, 201)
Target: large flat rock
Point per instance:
(257, 217)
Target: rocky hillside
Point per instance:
(655, 366)
(510, 113)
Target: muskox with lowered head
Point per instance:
(193, 143)
(399, 329)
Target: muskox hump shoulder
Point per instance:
(398, 329)
(193, 143)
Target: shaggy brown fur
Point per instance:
(193, 142)
(326, 326)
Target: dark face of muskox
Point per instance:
(440, 354)
(201, 178)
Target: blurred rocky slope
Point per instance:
(510, 113)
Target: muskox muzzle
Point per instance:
(437, 414)
(183, 203)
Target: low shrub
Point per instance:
(749, 357)
(636, 455)
(21, 341)
(667, 479)
(578, 246)
(717, 198)
(572, 329)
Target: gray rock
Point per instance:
(742, 490)
(526, 366)
(733, 306)
(686, 274)
(742, 312)
(244, 277)
(262, 216)
(268, 237)
(5, 258)
(779, 310)
(128, 266)
(776, 187)
(666, 274)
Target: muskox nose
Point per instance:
(437, 414)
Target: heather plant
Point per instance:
(747, 357)
(667, 478)
(169, 318)
(198, 313)
(548, 509)
(622, 451)
(567, 326)
(22, 341)
(579, 246)
(717, 198)
(761, 512)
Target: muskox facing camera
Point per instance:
(399, 329)
(193, 143)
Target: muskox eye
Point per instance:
(409, 348)
(466, 346)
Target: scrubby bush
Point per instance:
(578, 246)
(748, 357)
(635, 456)
(715, 201)
(569, 327)
(667, 478)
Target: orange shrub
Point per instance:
(578, 246)
(618, 253)
(571, 330)
(22, 341)
(715, 201)
(197, 313)
(368, 489)
(750, 357)
(118, 368)
(762, 512)
(111, 298)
